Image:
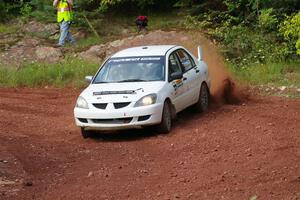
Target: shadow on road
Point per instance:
(125, 135)
(183, 118)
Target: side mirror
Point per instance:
(88, 79)
(176, 75)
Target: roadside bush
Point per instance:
(267, 21)
(42, 10)
(138, 5)
(290, 29)
(3, 11)
(243, 46)
(248, 30)
(25, 10)
(8, 9)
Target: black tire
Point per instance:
(85, 133)
(203, 101)
(166, 119)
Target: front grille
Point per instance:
(100, 105)
(143, 118)
(82, 120)
(121, 105)
(113, 121)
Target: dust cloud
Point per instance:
(223, 87)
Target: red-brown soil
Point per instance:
(231, 152)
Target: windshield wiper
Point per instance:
(132, 80)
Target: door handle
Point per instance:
(197, 70)
(184, 78)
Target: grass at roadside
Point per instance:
(274, 74)
(89, 41)
(70, 72)
(6, 29)
(166, 21)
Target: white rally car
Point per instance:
(143, 86)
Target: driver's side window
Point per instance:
(174, 65)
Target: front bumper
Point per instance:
(125, 118)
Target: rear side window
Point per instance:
(174, 65)
(185, 60)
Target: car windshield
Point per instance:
(132, 69)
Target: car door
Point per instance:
(177, 86)
(191, 77)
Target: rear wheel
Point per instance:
(166, 119)
(203, 101)
(86, 133)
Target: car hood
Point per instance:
(120, 92)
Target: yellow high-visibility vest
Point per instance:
(64, 11)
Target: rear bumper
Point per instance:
(126, 118)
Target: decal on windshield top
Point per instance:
(151, 58)
(134, 59)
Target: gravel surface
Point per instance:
(241, 151)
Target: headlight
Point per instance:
(146, 100)
(81, 103)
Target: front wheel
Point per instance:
(166, 119)
(203, 101)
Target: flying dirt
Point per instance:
(246, 148)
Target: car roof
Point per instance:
(152, 50)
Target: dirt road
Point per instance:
(231, 152)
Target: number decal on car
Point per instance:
(177, 84)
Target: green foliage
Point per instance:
(7, 10)
(70, 72)
(211, 20)
(184, 3)
(138, 5)
(3, 10)
(165, 21)
(25, 10)
(233, 5)
(42, 10)
(248, 30)
(290, 28)
(267, 21)
(244, 46)
(39, 9)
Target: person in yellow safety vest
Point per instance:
(64, 18)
